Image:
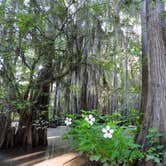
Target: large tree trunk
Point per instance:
(155, 115)
(32, 129)
(144, 94)
(144, 58)
(30, 134)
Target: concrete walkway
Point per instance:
(57, 153)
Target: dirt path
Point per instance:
(57, 153)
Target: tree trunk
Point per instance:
(144, 94)
(155, 115)
(144, 58)
(84, 94)
(7, 133)
(30, 134)
(114, 95)
(125, 93)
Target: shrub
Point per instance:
(105, 143)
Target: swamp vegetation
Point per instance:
(99, 63)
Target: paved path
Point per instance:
(57, 153)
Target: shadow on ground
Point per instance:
(57, 153)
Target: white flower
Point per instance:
(107, 132)
(68, 121)
(90, 119)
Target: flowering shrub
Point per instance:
(107, 144)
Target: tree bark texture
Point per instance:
(155, 114)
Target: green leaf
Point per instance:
(164, 155)
(157, 160)
(160, 147)
(159, 134)
(154, 158)
(163, 13)
(105, 164)
(95, 157)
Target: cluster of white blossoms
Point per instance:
(68, 121)
(107, 132)
(90, 119)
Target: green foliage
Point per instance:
(29, 21)
(116, 115)
(163, 14)
(155, 150)
(134, 116)
(89, 140)
(15, 116)
(75, 88)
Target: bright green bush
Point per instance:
(112, 148)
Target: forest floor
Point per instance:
(57, 153)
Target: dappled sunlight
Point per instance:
(26, 156)
(53, 137)
(63, 160)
